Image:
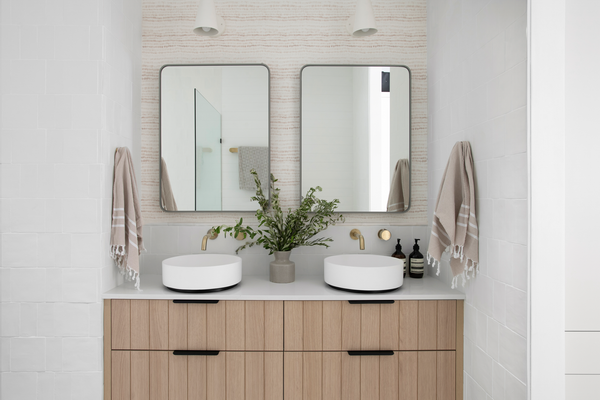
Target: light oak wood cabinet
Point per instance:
(173, 325)
(292, 350)
(343, 325)
(402, 375)
(227, 375)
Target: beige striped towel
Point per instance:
(399, 196)
(454, 226)
(126, 232)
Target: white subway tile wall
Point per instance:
(67, 70)
(477, 92)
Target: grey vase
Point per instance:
(282, 270)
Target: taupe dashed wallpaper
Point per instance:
(285, 35)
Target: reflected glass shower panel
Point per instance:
(208, 154)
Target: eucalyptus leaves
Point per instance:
(283, 231)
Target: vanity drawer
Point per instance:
(149, 375)
(225, 325)
(403, 375)
(341, 325)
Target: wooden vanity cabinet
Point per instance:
(401, 350)
(179, 325)
(162, 375)
(346, 325)
(401, 375)
(292, 350)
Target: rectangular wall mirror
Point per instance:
(214, 128)
(355, 135)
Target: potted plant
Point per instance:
(280, 232)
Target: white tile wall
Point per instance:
(477, 91)
(61, 62)
(27, 354)
(582, 387)
(582, 351)
(18, 385)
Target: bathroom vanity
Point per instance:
(302, 340)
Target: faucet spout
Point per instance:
(356, 235)
(209, 235)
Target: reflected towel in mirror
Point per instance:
(399, 187)
(257, 158)
(167, 199)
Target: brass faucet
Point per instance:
(211, 234)
(356, 235)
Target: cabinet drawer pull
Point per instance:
(195, 301)
(371, 353)
(196, 352)
(371, 301)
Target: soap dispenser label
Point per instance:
(417, 265)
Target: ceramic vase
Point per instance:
(282, 270)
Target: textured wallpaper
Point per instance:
(285, 35)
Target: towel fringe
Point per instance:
(454, 282)
(118, 253)
(429, 258)
(456, 251)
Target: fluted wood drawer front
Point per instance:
(405, 375)
(161, 375)
(340, 325)
(226, 325)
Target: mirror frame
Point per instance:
(301, 194)
(160, 134)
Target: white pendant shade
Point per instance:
(362, 23)
(208, 23)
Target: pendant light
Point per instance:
(362, 23)
(208, 23)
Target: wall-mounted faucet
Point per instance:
(356, 235)
(209, 235)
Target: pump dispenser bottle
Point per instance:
(416, 262)
(400, 255)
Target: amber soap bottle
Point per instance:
(416, 262)
(400, 255)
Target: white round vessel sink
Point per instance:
(202, 272)
(364, 272)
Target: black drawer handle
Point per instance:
(196, 353)
(371, 353)
(195, 301)
(371, 301)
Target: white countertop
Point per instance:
(307, 287)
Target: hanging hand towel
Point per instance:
(454, 226)
(126, 232)
(167, 199)
(399, 197)
(256, 158)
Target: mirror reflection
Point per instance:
(214, 128)
(356, 135)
